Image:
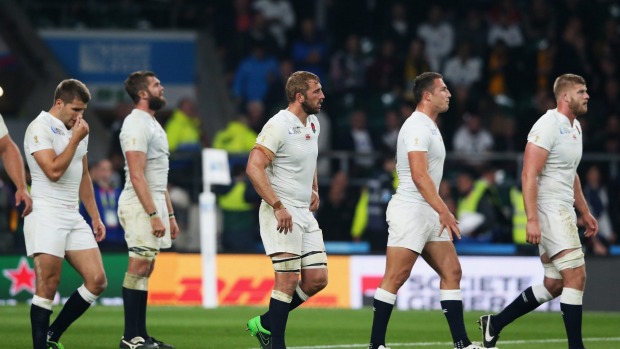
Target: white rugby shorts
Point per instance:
(137, 225)
(558, 225)
(54, 229)
(306, 235)
(411, 225)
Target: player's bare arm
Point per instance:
(534, 161)
(87, 196)
(174, 227)
(13, 163)
(136, 162)
(315, 201)
(582, 206)
(54, 166)
(418, 163)
(260, 158)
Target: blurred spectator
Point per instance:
(115, 153)
(473, 29)
(480, 210)
(335, 214)
(309, 51)
(106, 197)
(597, 196)
(389, 137)
(237, 137)
(415, 63)
(276, 95)
(572, 54)
(183, 128)
(506, 140)
(238, 202)
(498, 66)
(323, 164)
(398, 28)
(369, 221)
(359, 140)
(472, 140)
(463, 69)
(280, 18)
(9, 217)
(256, 115)
(348, 66)
(258, 34)
(446, 193)
(540, 21)
(505, 30)
(254, 75)
(438, 34)
(385, 72)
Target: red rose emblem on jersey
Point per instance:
(313, 128)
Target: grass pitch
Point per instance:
(223, 328)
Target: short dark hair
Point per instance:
(564, 81)
(298, 83)
(70, 89)
(423, 83)
(136, 82)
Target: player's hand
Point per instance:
(174, 228)
(285, 220)
(22, 195)
(80, 129)
(314, 201)
(157, 226)
(449, 223)
(533, 233)
(591, 225)
(99, 230)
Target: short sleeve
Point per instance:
(417, 139)
(271, 136)
(544, 133)
(134, 135)
(3, 130)
(38, 137)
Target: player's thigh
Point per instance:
(275, 241)
(442, 257)
(45, 232)
(412, 225)
(138, 231)
(558, 224)
(47, 269)
(88, 264)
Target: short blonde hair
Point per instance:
(298, 83)
(565, 81)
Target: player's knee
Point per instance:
(554, 286)
(397, 279)
(100, 284)
(319, 283)
(452, 274)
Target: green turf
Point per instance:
(194, 328)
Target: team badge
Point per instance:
(307, 137)
(313, 128)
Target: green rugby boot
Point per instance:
(263, 335)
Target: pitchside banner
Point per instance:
(177, 280)
(102, 59)
(488, 283)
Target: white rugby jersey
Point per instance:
(48, 132)
(3, 130)
(418, 133)
(141, 132)
(296, 149)
(554, 133)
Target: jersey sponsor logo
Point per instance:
(57, 131)
(565, 130)
(294, 130)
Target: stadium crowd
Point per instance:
(499, 59)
